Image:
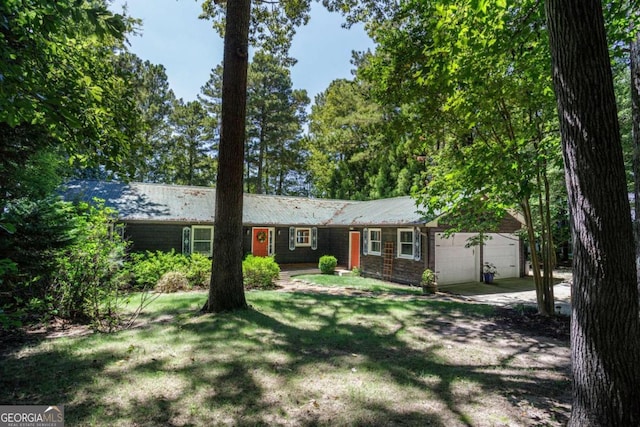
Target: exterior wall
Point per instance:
(404, 271)
(508, 225)
(154, 237)
(337, 244)
(410, 272)
(331, 241)
(165, 237)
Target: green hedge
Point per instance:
(260, 272)
(327, 264)
(147, 268)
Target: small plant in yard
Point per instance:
(489, 270)
(260, 272)
(428, 282)
(327, 264)
(173, 281)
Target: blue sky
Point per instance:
(172, 35)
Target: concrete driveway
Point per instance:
(514, 291)
(510, 292)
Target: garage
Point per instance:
(503, 251)
(455, 263)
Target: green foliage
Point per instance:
(42, 227)
(428, 281)
(86, 285)
(428, 277)
(172, 281)
(190, 152)
(274, 153)
(148, 159)
(60, 85)
(271, 28)
(327, 264)
(260, 272)
(275, 117)
(199, 271)
(352, 154)
(67, 262)
(146, 269)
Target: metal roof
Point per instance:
(176, 203)
(394, 211)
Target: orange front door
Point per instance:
(354, 249)
(260, 245)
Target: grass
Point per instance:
(297, 359)
(359, 283)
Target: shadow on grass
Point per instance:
(294, 359)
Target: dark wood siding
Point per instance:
(408, 271)
(337, 244)
(155, 237)
(246, 240)
(165, 237)
(331, 241)
(403, 270)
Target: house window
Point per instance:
(405, 243)
(202, 240)
(375, 241)
(303, 237)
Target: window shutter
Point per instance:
(417, 244)
(292, 238)
(365, 241)
(314, 238)
(186, 240)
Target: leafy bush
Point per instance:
(173, 281)
(327, 264)
(38, 230)
(199, 271)
(64, 262)
(260, 272)
(147, 268)
(428, 281)
(89, 273)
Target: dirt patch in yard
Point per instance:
(527, 321)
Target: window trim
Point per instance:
(370, 241)
(410, 243)
(309, 237)
(193, 239)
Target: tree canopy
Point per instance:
(59, 82)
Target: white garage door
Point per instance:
(503, 250)
(454, 262)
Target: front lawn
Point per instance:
(298, 359)
(359, 283)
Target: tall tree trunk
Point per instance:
(546, 239)
(541, 295)
(635, 108)
(260, 189)
(227, 290)
(605, 322)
